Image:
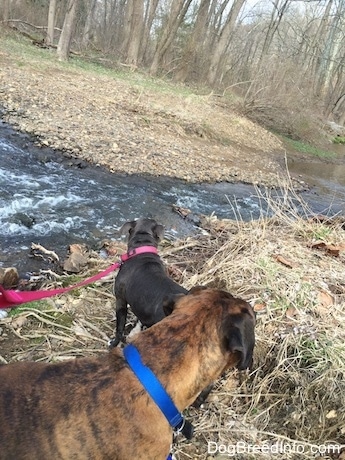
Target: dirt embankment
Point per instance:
(125, 124)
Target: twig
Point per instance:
(104, 294)
(39, 247)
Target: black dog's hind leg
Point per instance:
(121, 317)
(202, 396)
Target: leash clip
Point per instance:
(179, 429)
(186, 428)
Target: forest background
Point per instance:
(280, 62)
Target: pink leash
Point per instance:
(10, 298)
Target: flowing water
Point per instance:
(46, 200)
(326, 182)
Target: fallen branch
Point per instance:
(45, 251)
(20, 21)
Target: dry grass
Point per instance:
(294, 397)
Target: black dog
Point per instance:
(142, 281)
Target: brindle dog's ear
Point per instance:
(158, 231)
(127, 227)
(169, 303)
(196, 289)
(239, 337)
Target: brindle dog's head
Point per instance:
(235, 322)
(142, 232)
(238, 330)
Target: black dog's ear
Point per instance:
(158, 231)
(127, 227)
(238, 332)
(169, 303)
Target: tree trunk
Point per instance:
(189, 61)
(327, 58)
(177, 13)
(276, 17)
(6, 11)
(64, 44)
(319, 38)
(339, 111)
(223, 42)
(135, 32)
(91, 6)
(126, 29)
(51, 23)
(149, 18)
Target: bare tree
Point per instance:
(51, 23)
(318, 40)
(339, 108)
(223, 42)
(126, 26)
(6, 10)
(90, 12)
(329, 49)
(177, 13)
(331, 76)
(109, 22)
(191, 60)
(279, 7)
(133, 31)
(64, 44)
(150, 13)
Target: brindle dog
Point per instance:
(96, 408)
(142, 281)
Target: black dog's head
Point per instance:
(142, 232)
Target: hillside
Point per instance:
(131, 123)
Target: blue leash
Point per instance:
(157, 392)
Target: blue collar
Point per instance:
(157, 392)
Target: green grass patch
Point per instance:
(321, 352)
(37, 305)
(339, 140)
(43, 311)
(308, 148)
(321, 232)
(71, 280)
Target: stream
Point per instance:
(49, 199)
